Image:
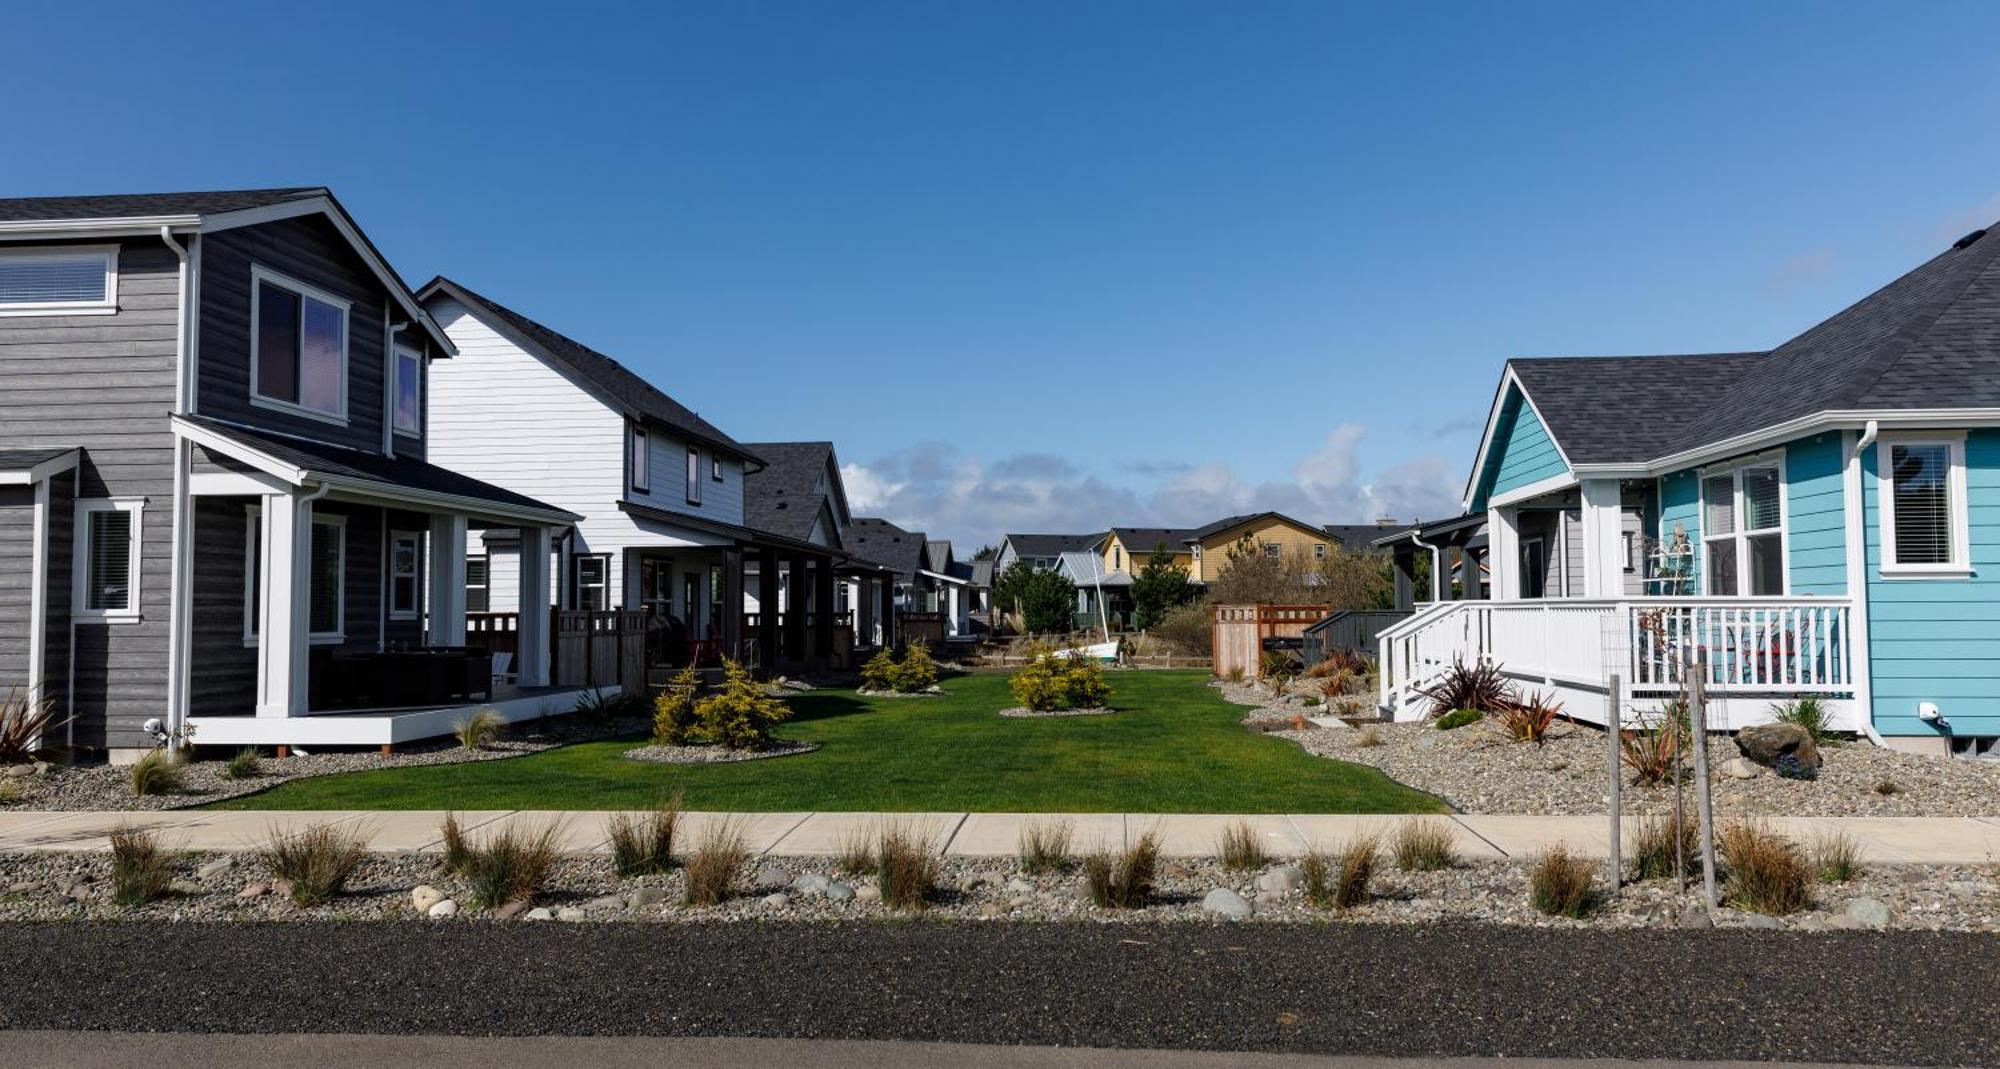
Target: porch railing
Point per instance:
(1753, 646)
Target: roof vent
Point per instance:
(1968, 239)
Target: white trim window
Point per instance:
(694, 476)
(109, 534)
(59, 280)
(298, 347)
(715, 468)
(326, 577)
(590, 581)
(408, 400)
(478, 583)
(641, 448)
(1921, 489)
(1743, 529)
(406, 554)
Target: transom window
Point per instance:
(1743, 530)
(1922, 493)
(73, 280)
(298, 347)
(108, 534)
(409, 416)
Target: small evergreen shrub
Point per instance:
(740, 715)
(1559, 885)
(1049, 683)
(918, 672)
(879, 674)
(673, 710)
(1458, 718)
(141, 870)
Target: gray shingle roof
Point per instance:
(1360, 537)
(600, 371)
(887, 544)
(1146, 539)
(127, 205)
(781, 498)
(1627, 409)
(339, 463)
(1051, 545)
(24, 459)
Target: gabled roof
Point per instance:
(1147, 539)
(782, 499)
(1360, 537)
(146, 213)
(980, 572)
(1230, 523)
(1050, 545)
(598, 372)
(937, 555)
(887, 544)
(1620, 409)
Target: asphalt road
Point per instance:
(1880, 998)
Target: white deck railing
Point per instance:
(1754, 646)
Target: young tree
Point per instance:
(1044, 600)
(987, 552)
(1160, 587)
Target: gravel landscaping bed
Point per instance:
(1022, 711)
(107, 787)
(1476, 771)
(932, 692)
(237, 888)
(716, 755)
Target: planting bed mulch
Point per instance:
(1023, 712)
(716, 755)
(584, 889)
(106, 787)
(1477, 771)
(932, 692)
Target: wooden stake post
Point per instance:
(1614, 869)
(1698, 722)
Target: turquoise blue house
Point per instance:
(1822, 518)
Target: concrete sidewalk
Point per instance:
(1894, 840)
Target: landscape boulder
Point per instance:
(1765, 743)
(1223, 902)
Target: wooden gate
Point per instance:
(1237, 633)
(599, 649)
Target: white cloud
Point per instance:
(1803, 272)
(945, 493)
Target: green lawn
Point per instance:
(1174, 746)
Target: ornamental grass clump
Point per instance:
(158, 772)
(642, 844)
(740, 716)
(1240, 848)
(1123, 881)
(1342, 879)
(457, 851)
(316, 861)
(1560, 884)
(1423, 846)
(1810, 715)
(673, 710)
(1654, 849)
(512, 865)
(141, 869)
(480, 730)
(1836, 857)
(711, 868)
(1045, 845)
(907, 868)
(246, 763)
(1766, 872)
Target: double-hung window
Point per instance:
(592, 573)
(107, 578)
(409, 409)
(298, 347)
(326, 577)
(642, 460)
(479, 583)
(1925, 530)
(694, 476)
(1742, 530)
(405, 563)
(59, 280)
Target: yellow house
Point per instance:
(1204, 550)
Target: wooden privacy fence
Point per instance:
(494, 632)
(599, 649)
(1237, 633)
(928, 626)
(1353, 629)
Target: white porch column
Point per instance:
(1503, 553)
(951, 608)
(1603, 539)
(532, 633)
(447, 568)
(284, 612)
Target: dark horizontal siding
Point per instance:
(17, 553)
(223, 672)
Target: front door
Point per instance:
(1534, 567)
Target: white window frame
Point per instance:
(576, 583)
(1740, 536)
(105, 307)
(639, 450)
(715, 468)
(1541, 574)
(259, 276)
(1960, 565)
(486, 560)
(1319, 550)
(135, 511)
(416, 540)
(416, 360)
(694, 476)
(253, 552)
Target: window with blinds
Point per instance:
(1743, 531)
(478, 584)
(1924, 515)
(57, 280)
(109, 558)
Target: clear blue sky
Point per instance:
(1065, 265)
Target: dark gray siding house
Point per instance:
(215, 508)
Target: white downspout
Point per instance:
(1437, 561)
(1857, 584)
(180, 592)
